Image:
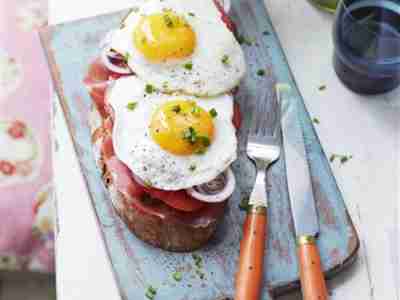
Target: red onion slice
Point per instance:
(217, 190)
(110, 60)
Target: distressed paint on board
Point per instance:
(72, 46)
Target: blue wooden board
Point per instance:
(72, 46)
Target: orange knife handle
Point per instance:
(312, 279)
(249, 277)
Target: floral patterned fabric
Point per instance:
(26, 194)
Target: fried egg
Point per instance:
(181, 45)
(171, 142)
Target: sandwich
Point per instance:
(164, 119)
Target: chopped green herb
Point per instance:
(200, 151)
(261, 72)
(213, 112)
(342, 158)
(315, 120)
(176, 108)
(188, 66)
(192, 168)
(322, 87)
(150, 89)
(168, 21)
(205, 141)
(148, 183)
(190, 135)
(177, 276)
(131, 106)
(195, 110)
(126, 57)
(151, 292)
(191, 14)
(345, 158)
(266, 32)
(198, 261)
(225, 59)
(244, 204)
(243, 40)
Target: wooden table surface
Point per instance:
(365, 127)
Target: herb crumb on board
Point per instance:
(322, 87)
(151, 292)
(198, 261)
(200, 274)
(341, 158)
(244, 203)
(177, 276)
(315, 120)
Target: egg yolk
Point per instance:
(164, 36)
(182, 127)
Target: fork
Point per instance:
(263, 149)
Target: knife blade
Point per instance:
(301, 196)
(298, 175)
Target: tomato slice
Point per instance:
(179, 200)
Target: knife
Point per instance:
(301, 196)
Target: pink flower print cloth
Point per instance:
(26, 194)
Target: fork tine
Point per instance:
(265, 116)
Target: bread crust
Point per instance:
(168, 231)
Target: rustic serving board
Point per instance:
(72, 46)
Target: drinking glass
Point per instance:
(367, 45)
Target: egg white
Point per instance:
(135, 147)
(209, 75)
